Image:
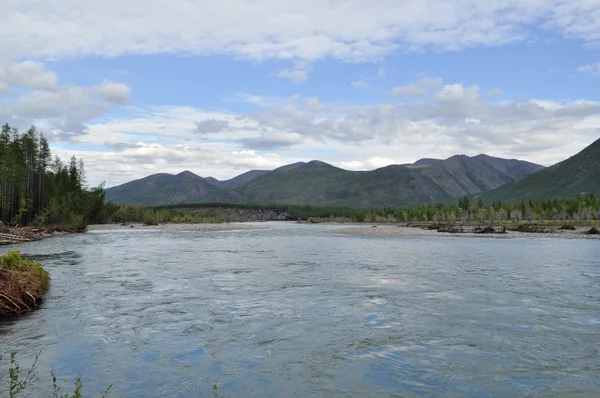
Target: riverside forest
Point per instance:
(39, 189)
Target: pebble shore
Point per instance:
(384, 231)
(207, 227)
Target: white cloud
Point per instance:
(593, 69)
(117, 93)
(369, 164)
(298, 74)
(361, 84)
(282, 29)
(63, 111)
(28, 74)
(442, 122)
(457, 92)
(417, 89)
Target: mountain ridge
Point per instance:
(318, 183)
(579, 174)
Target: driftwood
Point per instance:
(18, 235)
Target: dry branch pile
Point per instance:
(22, 284)
(10, 235)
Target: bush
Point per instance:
(22, 284)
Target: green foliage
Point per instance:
(30, 271)
(17, 384)
(583, 208)
(36, 189)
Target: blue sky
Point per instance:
(221, 88)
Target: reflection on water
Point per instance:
(296, 311)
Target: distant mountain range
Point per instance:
(319, 183)
(577, 175)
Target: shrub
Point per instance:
(22, 283)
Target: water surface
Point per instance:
(294, 311)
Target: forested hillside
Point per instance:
(36, 188)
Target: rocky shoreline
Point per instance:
(389, 231)
(204, 227)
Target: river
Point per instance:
(296, 311)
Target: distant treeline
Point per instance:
(582, 209)
(36, 188)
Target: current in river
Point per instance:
(294, 310)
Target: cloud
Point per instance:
(298, 74)
(369, 164)
(27, 74)
(417, 89)
(360, 84)
(494, 93)
(443, 121)
(210, 126)
(593, 69)
(271, 141)
(283, 29)
(457, 92)
(62, 111)
(117, 93)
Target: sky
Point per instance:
(137, 87)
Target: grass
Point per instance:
(22, 284)
(19, 380)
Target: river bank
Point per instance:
(500, 232)
(13, 235)
(22, 284)
(203, 227)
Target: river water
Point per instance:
(296, 311)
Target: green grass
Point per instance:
(19, 380)
(31, 270)
(22, 283)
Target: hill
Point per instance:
(298, 183)
(577, 175)
(461, 175)
(158, 189)
(319, 183)
(426, 181)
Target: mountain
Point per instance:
(237, 181)
(576, 175)
(462, 175)
(319, 183)
(426, 162)
(298, 183)
(431, 180)
(160, 189)
(389, 186)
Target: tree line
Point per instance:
(37, 188)
(584, 208)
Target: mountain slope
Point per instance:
(461, 175)
(239, 180)
(389, 186)
(298, 183)
(319, 183)
(159, 189)
(578, 174)
(431, 180)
